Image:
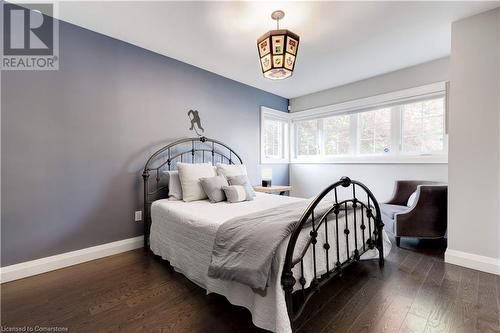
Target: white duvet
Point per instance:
(184, 233)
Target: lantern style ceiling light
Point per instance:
(278, 50)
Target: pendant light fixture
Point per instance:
(278, 50)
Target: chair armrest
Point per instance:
(404, 188)
(428, 215)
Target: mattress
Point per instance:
(184, 232)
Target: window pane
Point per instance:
(423, 126)
(307, 134)
(337, 135)
(375, 131)
(273, 138)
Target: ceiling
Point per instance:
(341, 42)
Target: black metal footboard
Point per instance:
(366, 225)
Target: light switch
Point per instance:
(138, 215)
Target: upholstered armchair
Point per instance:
(425, 217)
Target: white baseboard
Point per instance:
(474, 261)
(47, 264)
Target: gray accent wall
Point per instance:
(74, 141)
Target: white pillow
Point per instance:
(228, 170)
(411, 199)
(190, 175)
(174, 185)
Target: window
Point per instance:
(307, 134)
(404, 126)
(423, 126)
(337, 135)
(375, 131)
(274, 136)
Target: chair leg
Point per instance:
(398, 241)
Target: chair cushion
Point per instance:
(391, 210)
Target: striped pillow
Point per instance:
(236, 193)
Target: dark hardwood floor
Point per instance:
(137, 292)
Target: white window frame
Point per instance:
(268, 113)
(395, 156)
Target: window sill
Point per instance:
(407, 159)
(275, 161)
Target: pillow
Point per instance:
(227, 170)
(411, 199)
(243, 181)
(236, 193)
(213, 188)
(174, 185)
(190, 175)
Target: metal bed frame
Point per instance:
(370, 226)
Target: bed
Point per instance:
(318, 248)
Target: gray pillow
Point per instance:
(236, 193)
(243, 181)
(213, 188)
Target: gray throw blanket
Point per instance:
(244, 247)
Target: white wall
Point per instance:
(308, 179)
(474, 149)
(419, 75)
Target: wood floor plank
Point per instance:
(376, 295)
(334, 306)
(352, 309)
(464, 317)
(402, 298)
(382, 299)
(465, 310)
(441, 315)
(469, 284)
(373, 310)
(364, 272)
(488, 307)
(138, 292)
(329, 293)
(413, 324)
(428, 293)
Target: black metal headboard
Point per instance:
(189, 150)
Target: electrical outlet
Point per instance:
(138, 215)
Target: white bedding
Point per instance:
(184, 233)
